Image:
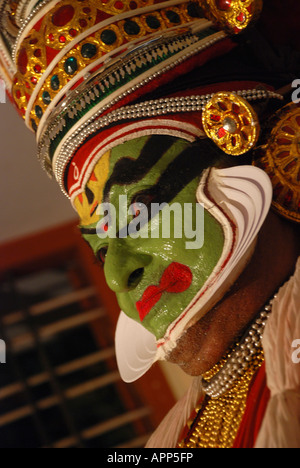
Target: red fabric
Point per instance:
(257, 401)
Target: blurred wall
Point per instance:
(30, 201)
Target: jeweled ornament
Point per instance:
(88, 50)
(71, 65)
(55, 83)
(279, 156)
(232, 124)
(22, 61)
(108, 37)
(232, 15)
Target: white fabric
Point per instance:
(168, 433)
(281, 424)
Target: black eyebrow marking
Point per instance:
(85, 230)
(128, 170)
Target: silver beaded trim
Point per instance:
(240, 358)
(25, 23)
(143, 110)
(20, 12)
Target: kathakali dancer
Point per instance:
(189, 108)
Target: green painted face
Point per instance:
(155, 276)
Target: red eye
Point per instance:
(104, 227)
(101, 255)
(140, 201)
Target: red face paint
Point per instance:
(176, 278)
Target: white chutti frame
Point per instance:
(239, 196)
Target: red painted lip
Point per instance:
(176, 278)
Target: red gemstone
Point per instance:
(223, 4)
(73, 32)
(288, 130)
(222, 106)
(221, 132)
(51, 37)
(283, 141)
(18, 94)
(63, 15)
(241, 17)
(38, 68)
(283, 154)
(62, 39)
(235, 108)
(87, 11)
(215, 118)
(119, 5)
(244, 136)
(83, 23)
(290, 166)
(22, 61)
(288, 199)
(33, 41)
(33, 80)
(38, 53)
(133, 5)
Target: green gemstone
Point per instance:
(55, 84)
(153, 22)
(108, 36)
(131, 28)
(88, 50)
(38, 112)
(71, 65)
(34, 125)
(173, 17)
(46, 98)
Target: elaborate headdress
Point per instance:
(87, 75)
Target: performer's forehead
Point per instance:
(132, 161)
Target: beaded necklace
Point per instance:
(226, 385)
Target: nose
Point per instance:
(124, 266)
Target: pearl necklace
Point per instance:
(218, 380)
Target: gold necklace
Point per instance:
(227, 386)
(218, 419)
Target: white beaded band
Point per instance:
(240, 358)
(144, 110)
